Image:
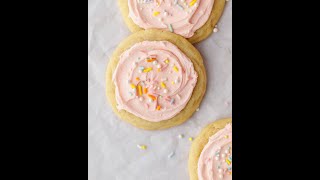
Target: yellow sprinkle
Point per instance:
(132, 86)
(175, 68)
(230, 173)
(163, 85)
(156, 13)
(144, 147)
(226, 136)
(190, 139)
(147, 70)
(158, 107)
(137, 78)
(172, 82)
(166, 61)
(192, 2)
(140, 90)
(227, 161)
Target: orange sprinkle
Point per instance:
(140, 90)
(137, 78)
(145, 90)
(151, 59)
(158, 107)
(152, 97)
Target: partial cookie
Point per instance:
(214, 162)
(192, 19)
(155, 79)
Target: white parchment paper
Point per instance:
(112, 143)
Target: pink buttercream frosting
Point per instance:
(215, 161)
(184, 16)
(154, 80)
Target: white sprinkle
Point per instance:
(150, 100)
(180, 6)
(220, 176)
(165, 91)
(165, 13)
(171, 155)
(158, 66)
(215, 30)
(223, 155)
(220, 170)
(180, 136)
(217, 158)
(197, 109)
(141, 99)
(155, 62)
(178, 96)
(158, 88)
(170, 28)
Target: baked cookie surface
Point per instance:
(200, 144)
(150, 36)
(198, 28)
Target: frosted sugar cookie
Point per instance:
(210, 156)
(155, 80)
(192, 19)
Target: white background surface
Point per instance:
(112, 143)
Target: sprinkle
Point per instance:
(228, 161)
(145, 90)
(156, 13)
(150, 100)
(172, 101)
(197, 109)
(226, 136)
(180, 136)
(148, 69)
(190, 139)
(158, 88)
(143, 147)
(220, 176)
(178, 96)
(180, 6)
(192, 2)
(217, 158)
(167, 61)
(141, 68)
(152, 97)
(151, 59)
(140, 90)
(215, 30)
(132, 86)
(159, 69)
(159, 66)
(155, 62)
(141, 98)
(172, 82)
(170, 28)
(158, 107)
(175, 68)
(164, 79)
(137, 78)
(163, 85)
(171, 155)
(165, 91)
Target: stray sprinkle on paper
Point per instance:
(143, 147)
(171, 155)
(170, 28)
(180, 136)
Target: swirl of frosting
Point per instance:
(215, 161)
(154, 80)
(182, 17)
